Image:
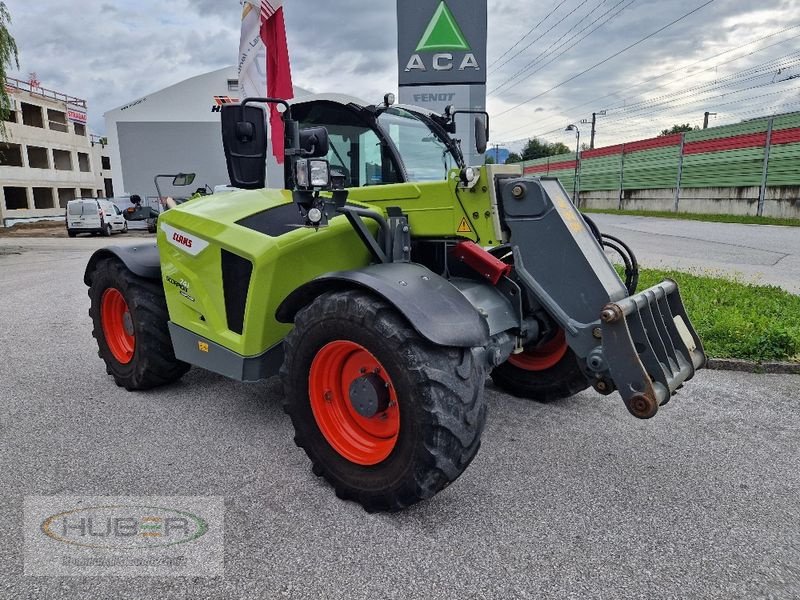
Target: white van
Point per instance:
(90, 215)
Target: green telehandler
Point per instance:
(384, 281)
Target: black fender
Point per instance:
(142, 260)
(431, 304)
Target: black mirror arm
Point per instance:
(291, 128)
(287, 114)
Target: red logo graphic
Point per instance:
(219, 101)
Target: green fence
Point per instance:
(753, 154)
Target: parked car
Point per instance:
(94, 215)
(124, 203)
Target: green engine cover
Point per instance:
(193, 237)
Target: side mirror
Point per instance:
(314, 142)
(244, 139)
(183, 179)
(481, 134)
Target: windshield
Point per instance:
(425, 156)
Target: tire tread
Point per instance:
(455, 412)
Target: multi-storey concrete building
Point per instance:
(47, 157)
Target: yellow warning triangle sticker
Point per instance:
(464, 227)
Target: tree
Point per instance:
(9, 57)
(536, 148)
(489, 160)
(678, 129)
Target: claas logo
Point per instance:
(219, 101)
(181, 239)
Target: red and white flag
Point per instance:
(264, 67)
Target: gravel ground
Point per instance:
(570, 500)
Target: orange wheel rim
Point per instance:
(543, 357)
(117, 324)
(343, 375)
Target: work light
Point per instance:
(312, 173)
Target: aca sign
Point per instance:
(442, 41)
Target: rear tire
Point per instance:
(438, 393)
(542, 376)
(130, 318)
(71, 233)
(106, 231)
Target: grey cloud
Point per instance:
(123, 50)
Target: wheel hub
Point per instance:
(542, 357)
(127, 323)
(354, 402)
(117, 324)
(369, 395)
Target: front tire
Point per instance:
(130, 318)
(71, 233)
(415, 441)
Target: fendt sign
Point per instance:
(442, 41)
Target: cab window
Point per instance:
(356, 152)
(425, 156)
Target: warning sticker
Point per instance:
(464, 227)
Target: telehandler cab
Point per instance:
(383, 283)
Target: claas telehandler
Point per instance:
(384, 280)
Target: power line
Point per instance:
(646, 119)
(746, 75)
(681, 68)
(634, 118)
(703, 99)
(562, 44)
(605, 60)
(765, 112)
(564, 18)
(519, 41)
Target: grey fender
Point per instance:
(431, 304)
(141, 260)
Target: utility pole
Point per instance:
(601, 113)
(705, 118)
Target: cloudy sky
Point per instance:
(737, 58)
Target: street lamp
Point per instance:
(577, 131)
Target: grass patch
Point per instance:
(663, 214)
(736, 319)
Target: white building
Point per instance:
(47, 157)
(174, 130)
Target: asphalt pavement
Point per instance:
(764, 254)
(575, 499)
